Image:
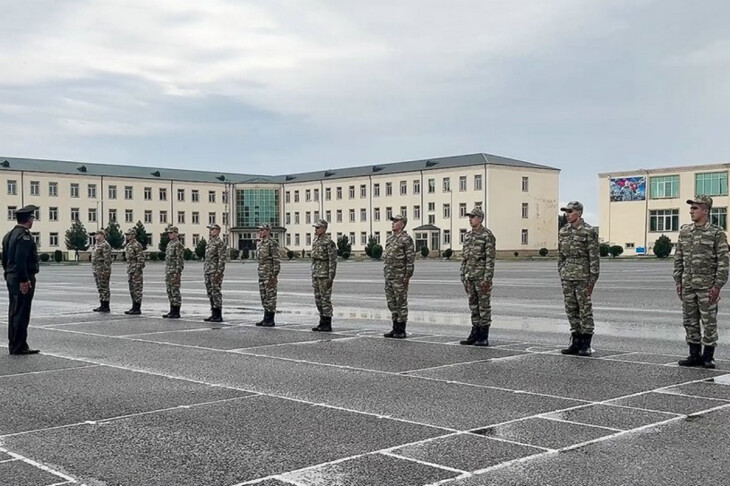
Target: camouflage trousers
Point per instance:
(172, 281)
(323, 295)
(396, 293)
(135, 286)
(102, 285)
(578, 306)
(213, 289)
(479, 304)
(268, 295)
(696, 309)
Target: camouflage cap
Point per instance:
(101, 232)
(214, 226)
(701, 199)
(321, 222)
(172, 229)
(265, 226)
(399, 217)
(572, 206)
(27, 209)
(131, 231)
(476, 212)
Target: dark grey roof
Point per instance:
(160, 173)
(427, 227)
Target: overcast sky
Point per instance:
(279, 86)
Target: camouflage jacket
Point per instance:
(135, 257)
(324, 257)
(174, 261)
(701, 257)
(479, 251)
(268, 254)
(216, 254)
(578, 255)
(399, 256)
(101, 257)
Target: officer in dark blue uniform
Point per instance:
(20, 266)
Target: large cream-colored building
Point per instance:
(637, 207)
(520, 201)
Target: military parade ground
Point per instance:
(138, 399)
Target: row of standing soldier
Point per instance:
(700, 271)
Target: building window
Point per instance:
(148, 194)
(388, 189)
(339, 192)
(351, 192)
(53, 189)
(525, 184)
(718, 216)
(664, 187)
(352, 215)
(478, 182)
(181, 217)
(712, 184)
(462, 183)
(11, 212)
(328, 216)
(352, 238)
(316, 195)
(363, 214)
(447, 211)
(462, 235)
(112, 215)
(431, 219)
(211, 218)
(664, 220)
(363, 238)
(431, 186)
(376, 214)
(630, 246)
(288, 239)
(53, 240)
(416, 212)
(74, 190)
(376, 190)
(37, 214)
(296, 239)
(128, 216)
(339, 215)
(403, 188)
(149, 240)
(91, 191)
(296, 196)
(328, 194)
(35, 188)
(37, 238)
(308, 195)
(224, 197)
(163, 217)
(462, 210)
(12, 188)
(478, 204)
(53, 214)
(74, 214)
(308, 217)
(416, 187)
(287, 197)
(128, 192)
(287, 218)
(296, 217)
(92, 215)
(388, 213)
(211, 196)
(181, 195)
(447, 184)
(194, 195)
(148, 216)
(196, 217)
(196, 239)
(525, 211)
(377, 237)
(447, 237)
(112, 192)
(308, 239)
(523, 238)
(163, 194)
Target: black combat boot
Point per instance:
(482, 337)
(135, 310)
(101, 306)
(263, 321)
(105, 307)
(165, 316)
(694, 358)
(585, 345)
(325, 325)
(400, 331)
(575, 341)
(174, 312)
(321, 318)
(269, 319)
(708, 357)
(217, 315)
(393, 331)
(472, 337)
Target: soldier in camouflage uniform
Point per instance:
(135, 265)
(578, 266)
(700, 271)
(324, 268)
(398, 269)
(477, 271)
(216, 254)
(174, 264)
(101, 264)
(269, 266)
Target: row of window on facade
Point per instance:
(313, 194)
(668, 219)
(446, 237)
(129, 216)
(53, 239)
(91, 192)
(709, 183)
(312, 216)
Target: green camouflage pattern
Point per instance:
(135, 265)
(578, 306)
(399, 260)
(101, 265)
(578, 253)
(174, 264)
(268, 271)
(214, 267)
(324, 268)
(477, 266)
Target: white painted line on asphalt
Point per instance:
(9, 460)
(36, 464)
(582, 424)
(424, 463)
(48, 371)
(450, 365)
(686, 395)
(524, 444)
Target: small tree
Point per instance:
(662, 247)
(45, 257)
(154, 256)
(77, 238)
(372, 242)
(376, 252)
(343, 245)
(543, 252)
(604, 249)
(345, 255)
(141, 235)
(425, 251)
(164, 240)
(290, 254)
(114, 236)
(448, 253)
(161, 256)
(232, 254)
(58, 256)
(615, 250)
(200, 248)
(188, 254)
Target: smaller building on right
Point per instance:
(637, 207)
